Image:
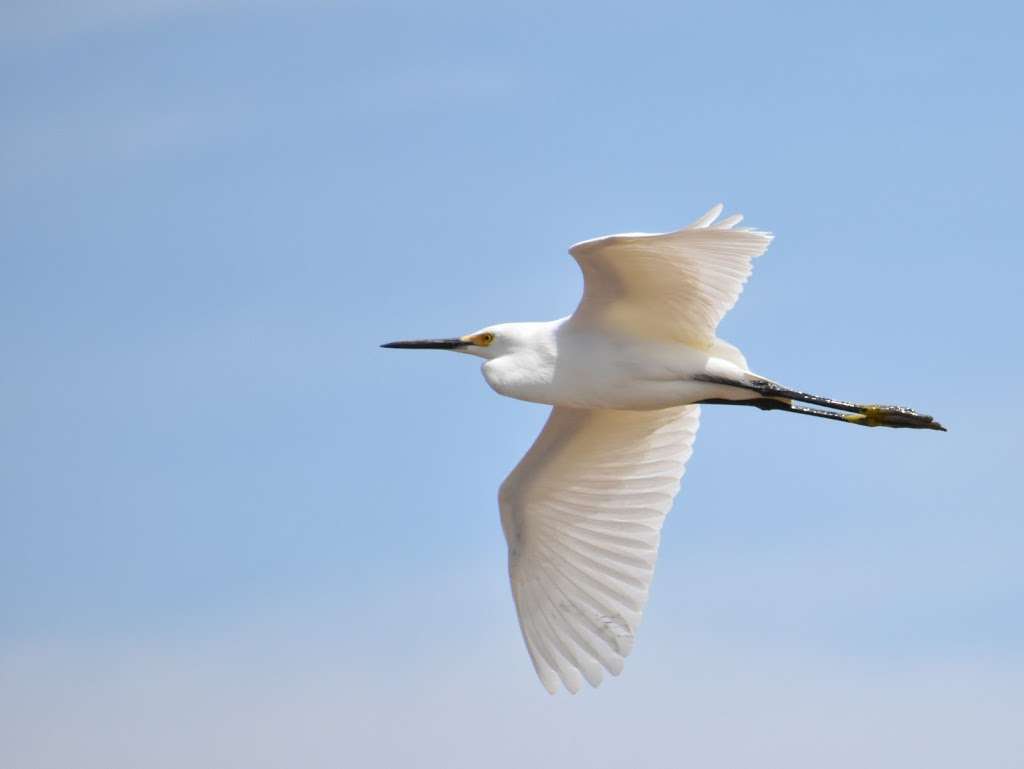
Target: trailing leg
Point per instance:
(774, 397)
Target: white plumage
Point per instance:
(676, 285)
(583, 510)
(582, 513)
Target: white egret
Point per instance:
(625, 373)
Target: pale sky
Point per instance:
(236, 533)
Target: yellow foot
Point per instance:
(893, 416)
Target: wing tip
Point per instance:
(765, 236)
(710, 221)
(548, 677)
(728, 222)
(572, 679)
(709, 216)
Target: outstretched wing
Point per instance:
(582, 513)
(676, 285)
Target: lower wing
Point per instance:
(582, 513)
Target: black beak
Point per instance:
(428, 344)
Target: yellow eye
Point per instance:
(483, 340)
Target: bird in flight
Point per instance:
(626, 375)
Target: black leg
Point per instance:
(768, 404)
(777, 398)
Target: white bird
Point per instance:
(583, 510)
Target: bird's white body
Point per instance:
(562, 364)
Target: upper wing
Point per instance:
(582, 513)
(676, 285)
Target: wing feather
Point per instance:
(582, 513)
(676, 285)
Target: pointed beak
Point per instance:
(428, 344)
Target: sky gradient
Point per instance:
(236, 533)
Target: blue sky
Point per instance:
(236, 533)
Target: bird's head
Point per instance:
(489, 342)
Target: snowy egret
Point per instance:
(625, 373)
